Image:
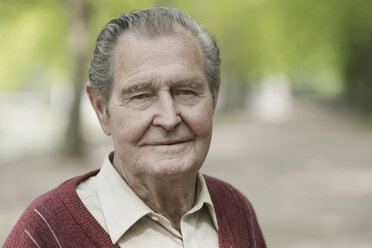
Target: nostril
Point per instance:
(167, 115)
(168, 124)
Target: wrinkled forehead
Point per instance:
(175, 31)
(133, 48)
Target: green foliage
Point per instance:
(32, 42)
(305, 39)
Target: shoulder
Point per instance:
(236, 218)
(221, 189)
(45, 218)
(224, 195)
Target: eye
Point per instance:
(185, 92)
(141, 96)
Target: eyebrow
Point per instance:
(192, 83)
(137, 87)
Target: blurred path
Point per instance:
(309, 178)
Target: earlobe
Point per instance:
(99, 107)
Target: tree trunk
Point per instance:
(359, 76)
(79, 19)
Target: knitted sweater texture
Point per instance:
(60, 219)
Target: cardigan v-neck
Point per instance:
(60, 219)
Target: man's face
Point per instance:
(161, 109)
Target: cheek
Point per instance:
(201, 122)
(129, 128)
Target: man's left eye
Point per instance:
(185, 92)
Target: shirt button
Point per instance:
(154, 218)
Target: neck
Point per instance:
(171, 197)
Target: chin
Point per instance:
(175, 168)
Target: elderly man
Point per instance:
(154, 82)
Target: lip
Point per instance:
(169, 143)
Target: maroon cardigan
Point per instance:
(60, 219)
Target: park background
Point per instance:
(292, 126)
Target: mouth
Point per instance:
(168, 143)
(174, 142)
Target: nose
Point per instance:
(167, 114)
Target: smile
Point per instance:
(168, 143)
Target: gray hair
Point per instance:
(152, 23)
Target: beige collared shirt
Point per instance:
(131, 223)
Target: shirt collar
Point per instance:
(122, 208)
(120, 205)
(203, 197)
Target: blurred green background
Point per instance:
(321, 48)
(280, 59)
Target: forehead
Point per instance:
(172, 55)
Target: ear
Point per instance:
(99, 107)
(217, 91)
